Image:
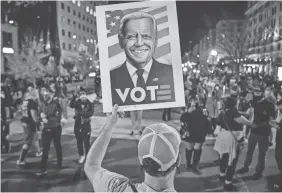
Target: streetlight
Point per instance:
(214, 53)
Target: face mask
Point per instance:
(83, 97)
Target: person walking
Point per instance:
(229, 141)
(82, 127)
(195, 127)
(51, 114)
(29, 120)
(277, 124)
(264, 112)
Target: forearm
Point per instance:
(99, 147)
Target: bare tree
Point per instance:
(232, 43)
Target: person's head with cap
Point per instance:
(47, 93)
(158, 153)
(82, 94)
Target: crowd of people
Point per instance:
(245, 109)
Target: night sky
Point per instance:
(191, 17)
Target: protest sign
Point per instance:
(142, 36)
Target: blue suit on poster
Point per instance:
(159, 84)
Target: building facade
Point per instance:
(264, 30)
(77, 28)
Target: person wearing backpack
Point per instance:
(229, 141)
(158, 153)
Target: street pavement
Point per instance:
(121, 157)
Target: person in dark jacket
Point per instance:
(82, 128)
(5, 122)
(195, 127)
(264, 112)
(50, 114)
(277, 124)
(29, 111)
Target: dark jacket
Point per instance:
(53, 112)
(160, 74)
(83, 110)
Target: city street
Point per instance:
(122, 158)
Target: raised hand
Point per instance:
(112, 117)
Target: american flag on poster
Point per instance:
(116, 54)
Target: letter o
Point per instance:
(134, 98)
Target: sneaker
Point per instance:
(276, 188)
(131, 133)
(21, 163)
(256, 176)
(196, 170)
(41, 173)
(243, 170)
(81, 159)
(221, 178)
(229, 187)
(38, 154)
(189, 167)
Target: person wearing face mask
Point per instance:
(50, 114)
(194, 128)
(264, 112)
(82, 128)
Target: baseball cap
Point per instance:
(161, 143)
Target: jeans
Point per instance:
(64, 105)
(229, 170)
(166, 114)
(263, 143)
(82, 135)
(278, 153)
(47, 136)
(136, 119)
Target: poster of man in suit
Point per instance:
(140, 56)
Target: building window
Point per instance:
(91, 21)
(87, 19)
(83, 27)
(279, 47)
(63, 32)
(79, 15)
(264, 49)
(69, 46)
(64, 45)
(62, 6)
(280, 6)
(74, 24)
(74, 47)
(88, 29)
(69, 34)
(280, 20)
(69, 9)
(91, 31)
(83, 17)
(271, 48)
(260, 17)
(87, 9)
(63, 19)
(79, 26)
(7, 39)
(280, 32)
(69, 21)
(273, 12)
(74, 12)
(78, 3)
(273, 22)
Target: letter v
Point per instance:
(124, 95)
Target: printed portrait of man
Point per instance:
(141, 79)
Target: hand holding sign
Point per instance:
(112, 117)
